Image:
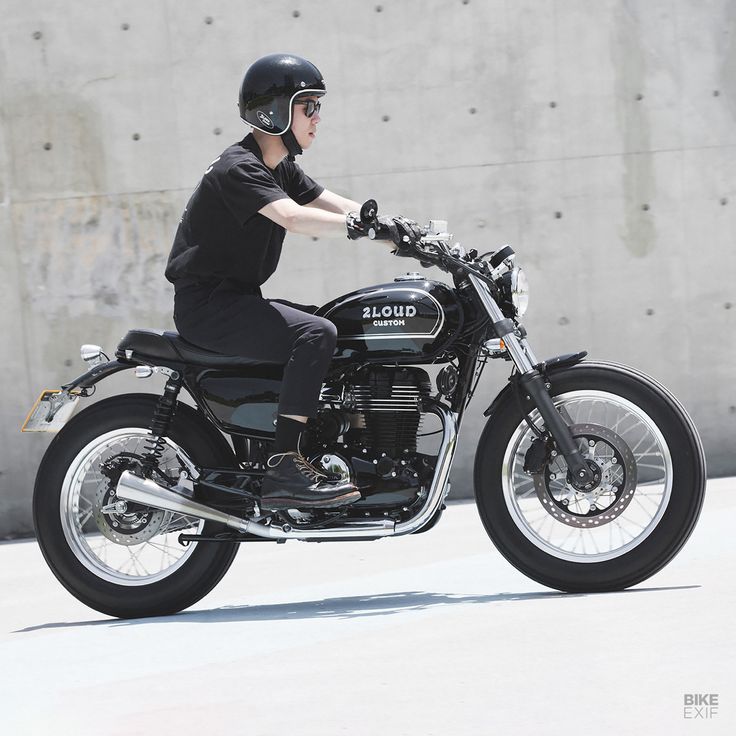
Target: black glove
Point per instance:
(358, 225)
(402, 231)
(356, 228)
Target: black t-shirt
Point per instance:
(221, 235)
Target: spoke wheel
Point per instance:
(134, 546)
(621, 441)
(649, 467)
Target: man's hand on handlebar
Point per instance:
(356, 228)
(402, 231)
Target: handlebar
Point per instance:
(433, 248)
(432, 251)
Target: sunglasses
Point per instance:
(312, 106)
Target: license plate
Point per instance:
(51, 412)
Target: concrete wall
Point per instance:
(596, 137)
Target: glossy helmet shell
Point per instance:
(270, 87)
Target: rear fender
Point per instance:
(96, 374)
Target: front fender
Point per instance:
(561, 362)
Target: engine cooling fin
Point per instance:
(389, 398)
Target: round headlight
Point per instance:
(519, 291)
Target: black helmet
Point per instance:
(269, 89)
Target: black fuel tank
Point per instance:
(409, 320)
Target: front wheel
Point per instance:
(650, 467)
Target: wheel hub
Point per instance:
(123, 522)
(614, 468)
(592, 484)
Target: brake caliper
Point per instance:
(538, 455)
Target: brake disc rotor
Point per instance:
(131, 523)
(128, 527)
(613, 460)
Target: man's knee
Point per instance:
(328, 334)
(320, 333)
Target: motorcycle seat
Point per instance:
(152, 346)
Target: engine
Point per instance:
(373, 436)
(388, 399)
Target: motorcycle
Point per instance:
(588, 476)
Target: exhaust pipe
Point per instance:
(147, 492)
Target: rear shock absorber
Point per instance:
(160, 423)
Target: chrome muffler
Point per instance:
(149, 493)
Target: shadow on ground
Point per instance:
(345, 607)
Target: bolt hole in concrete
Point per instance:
(639, 97)
(650, 312)
(379, 8)
(217, 131)
(724, 200)
(385, 118)
(558, 215)
(645, 207)
(296, 14)
(37, 35)
(136, 136)
(553, 104)
(208, 20)
(716, 93)
(125, 26)
(727, 305)
(47, 146)
(563, 321)
(472, 111)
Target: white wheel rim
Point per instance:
(139, 564)
(651, 497)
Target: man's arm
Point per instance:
(305, 220)
(331, 202)
(312, 220)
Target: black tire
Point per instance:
(202, 569)
(631, 566)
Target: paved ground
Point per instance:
(433, 634)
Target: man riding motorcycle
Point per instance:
(229, 242)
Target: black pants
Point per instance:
(226, 320)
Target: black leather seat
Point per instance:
(151, 346)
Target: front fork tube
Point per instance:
(535, 387)
(533, 383)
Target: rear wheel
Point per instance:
(650, 486)
(125, 559)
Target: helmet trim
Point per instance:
(318, 92)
